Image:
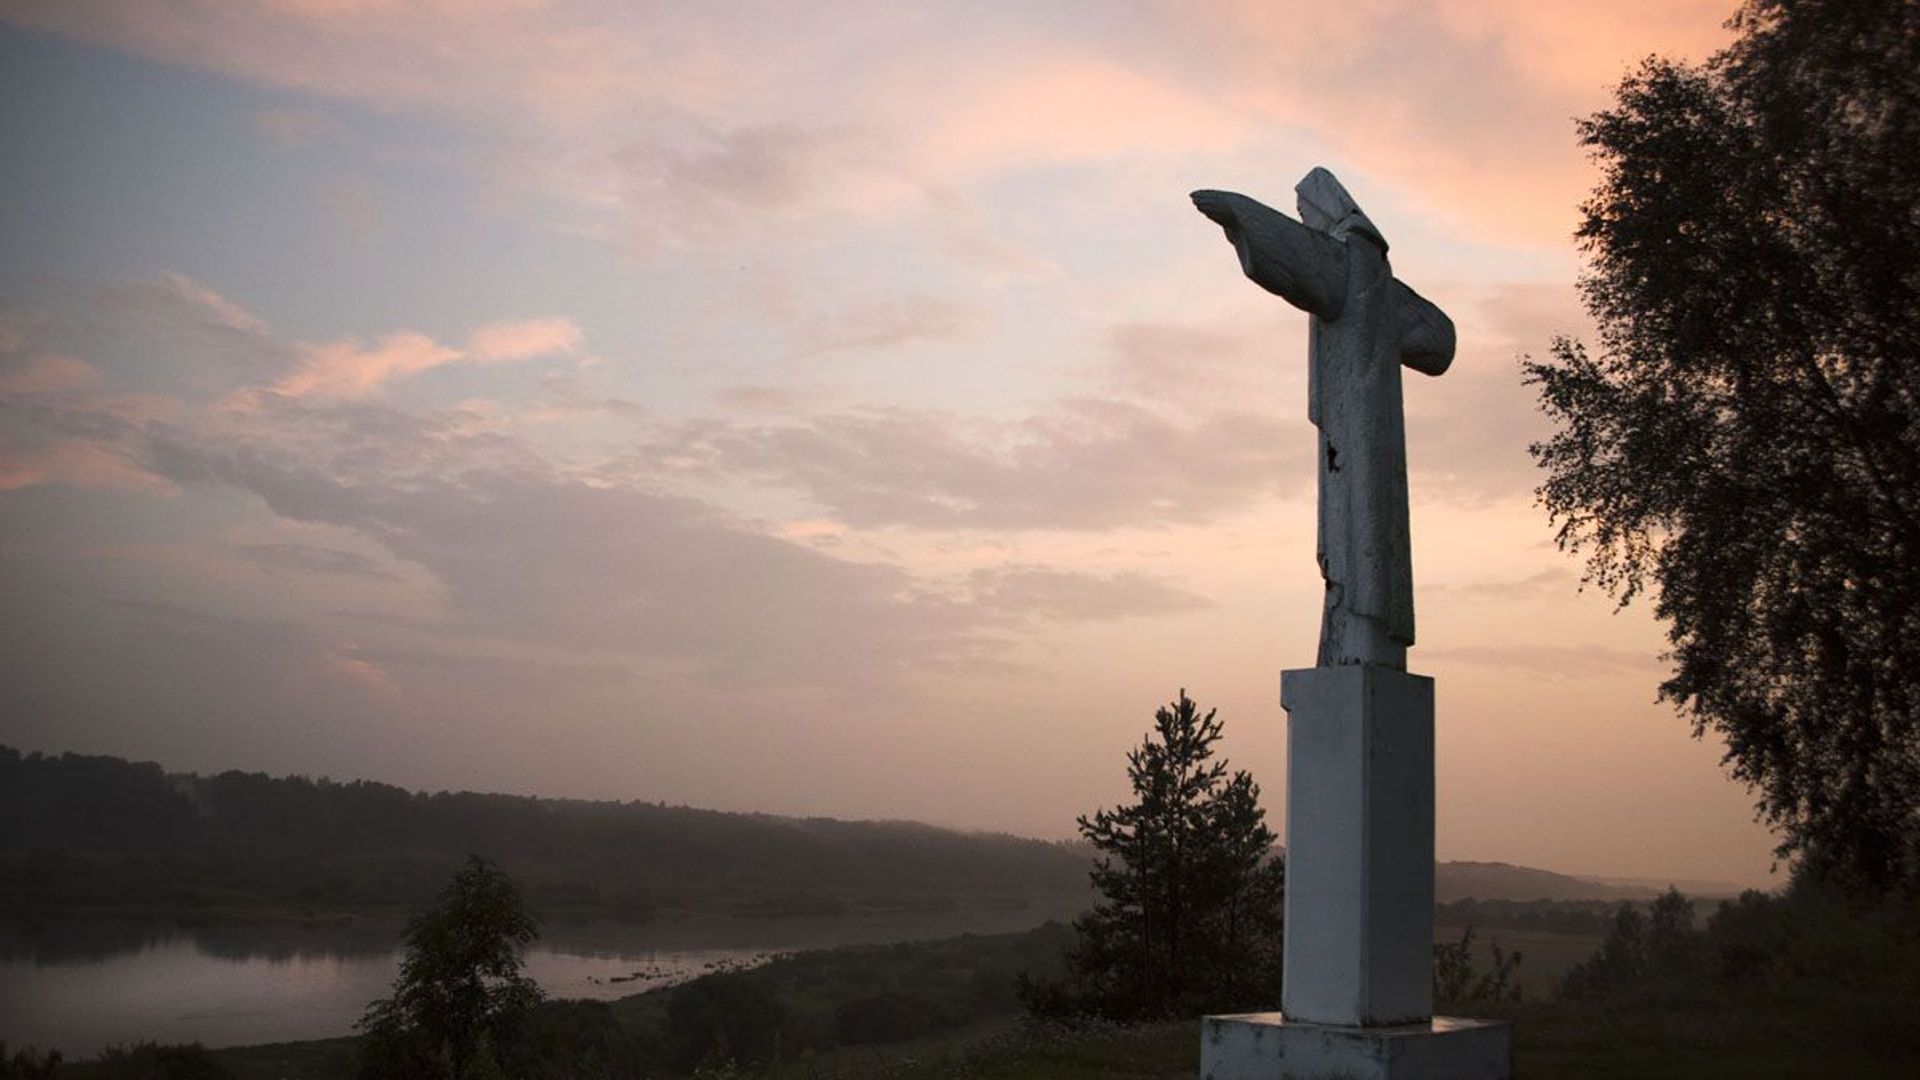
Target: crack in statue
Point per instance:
(1332, 264)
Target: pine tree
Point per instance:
(1190, 914)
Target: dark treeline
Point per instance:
(1810, 936)
(1589, 917)
(81, 833)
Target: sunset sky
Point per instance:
(811, 408)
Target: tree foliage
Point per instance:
(1809, 936)
(1458, 980)
(1660, 947)
(1190, 915)
(460, 1002)
(1746, 436)
(725, 1020)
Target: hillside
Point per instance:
(1504, 881)
(95, 833)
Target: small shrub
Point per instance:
(27, 1063)
(152, 1061)
(1457, 979)
(881, 1018)
(731, 1017)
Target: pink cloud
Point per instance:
(523, 340)
(1468, 106)
(890, 323)
(1579, 47)
(80, 464)
(349, 370)
(1063, 107)
(480, 58)
(1465, 103)
(344, 369)
(366, 678)
(48, 374)
(224, 312)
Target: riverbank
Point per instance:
(82, 986)
(832, 1011)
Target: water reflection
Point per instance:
(80, 986)
(97, 940)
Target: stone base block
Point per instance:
(1359, 935)
(1266, 1046)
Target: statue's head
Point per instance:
(1325, 205)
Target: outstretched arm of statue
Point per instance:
(1306, 268)
(1426, 334)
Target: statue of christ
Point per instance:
(1332, 264)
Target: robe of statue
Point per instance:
(1365, 324)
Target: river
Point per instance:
(80, 987)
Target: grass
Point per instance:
(1012, 1050)
(1157, 1052)
(1808, 1033)
(1762, 1036)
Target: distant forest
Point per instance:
(82, 833)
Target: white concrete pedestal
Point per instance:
(1357, 987)
(1359, 934)
(1265, 1046)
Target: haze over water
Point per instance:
(82, 987)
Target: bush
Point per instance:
(27, 1063)
(1457, 980)
(1750, 939)
(1810, 934)
(881, 1018)
(151, 1061)
(724, 1018)
(574, 1040)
